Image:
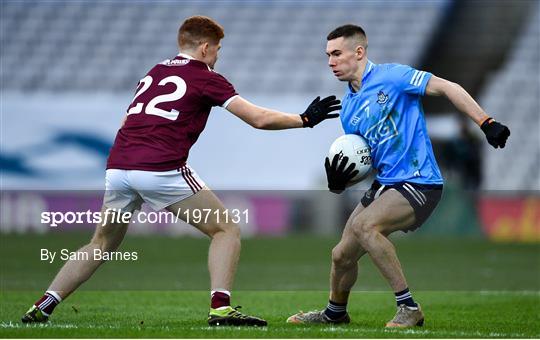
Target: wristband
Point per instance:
(486, 122)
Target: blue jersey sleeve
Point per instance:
(410, 80)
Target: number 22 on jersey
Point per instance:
(150, 106)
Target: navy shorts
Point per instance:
(423, 198)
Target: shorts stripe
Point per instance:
(379, 191)
(197, 185)
(422, 194)
(188, 181)
(413, 195)
(418, 194)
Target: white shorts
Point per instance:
(128, 189)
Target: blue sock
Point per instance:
(405, 298)
(335, 310)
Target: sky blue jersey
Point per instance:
(387, 112)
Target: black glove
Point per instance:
(337, 175)
(496, 133)
(319, 110)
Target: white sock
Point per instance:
(55, 295)
(220, 291)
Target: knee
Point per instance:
(364, 230)
(98, 242)
(231, 230)
(103, 243)
(341, 259)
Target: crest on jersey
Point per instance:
(382, 98)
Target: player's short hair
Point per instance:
(349, 31)
(199, 29)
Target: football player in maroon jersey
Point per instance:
(148, 163)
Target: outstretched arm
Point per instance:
(268, 119)
(496, 133)
(461, 99)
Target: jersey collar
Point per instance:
(367, 72)
(186, 56)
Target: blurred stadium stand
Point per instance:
(472, 41)
(64, 47)
(513, 94)
(106, 46)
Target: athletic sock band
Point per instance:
(220, 298)
(55, 295)
(405, 298)
(335, 310)
(48, 302)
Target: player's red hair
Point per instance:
(199, 29)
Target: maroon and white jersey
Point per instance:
(167, 115)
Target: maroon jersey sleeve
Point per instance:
(218, 90)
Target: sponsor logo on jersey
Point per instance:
(175, 62)
(381, 132)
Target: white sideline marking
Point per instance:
(345, 329)
(509, 292)
(329, 329)
(35, 325)
(53, 325)
(228, 328)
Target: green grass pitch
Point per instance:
(469, 288)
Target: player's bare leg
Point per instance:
(366, 231)
(224, 250)
(345, 256)
(343, 276)
(107, 237)
(390, 212)
(223, 256)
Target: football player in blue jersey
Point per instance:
(383, 104)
